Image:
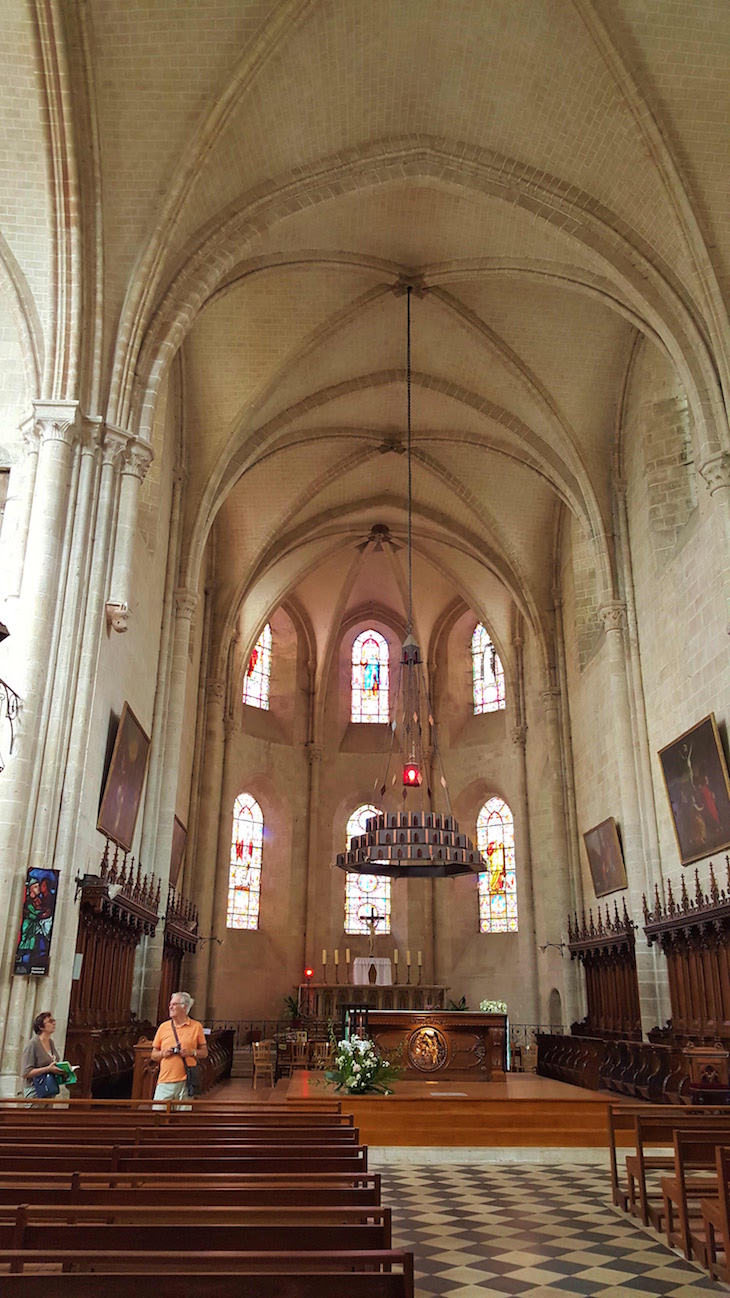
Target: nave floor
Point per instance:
(528, 1230)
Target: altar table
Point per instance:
(442, 1044)
(361, 971)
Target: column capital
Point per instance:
(31, 435)
(138, 456)
(556, 595)
(215, 689)
(551, 699)
(113, 443)
(314, 754)
(613, 615)
(519, 736)
(56, 421)
(186, 602)
(230, 727)
(715, 471)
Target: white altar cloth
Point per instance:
(361, 967)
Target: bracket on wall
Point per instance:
(558, 946)
(117, 617)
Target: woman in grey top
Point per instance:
(40, 1054)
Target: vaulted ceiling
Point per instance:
(550, 175)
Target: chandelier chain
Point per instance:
(409, 627)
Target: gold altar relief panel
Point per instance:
(427, 1050)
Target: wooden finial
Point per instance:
(714, 890)
(685, 894)
(672, 905)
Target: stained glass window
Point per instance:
(497, 887)
(258, 673)
(488, 673)
(370, 678)
(244, 880)
(366, 895)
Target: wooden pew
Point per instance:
(621, 1123)
(695, 1152)
(250, 1158)
(286, 1274)
(716, 1220)
(52, 1135)
(649, 1133)
(330, 1190)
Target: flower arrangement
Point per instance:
(359, 1068)
(493, 1007)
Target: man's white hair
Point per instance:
(186, 998)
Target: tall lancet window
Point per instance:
(370, 678)
(488, 673)
(258, 673)
(497, 886)
(366, 895)
(247, 849)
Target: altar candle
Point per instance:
(347, 955)
(408, 957)
(420, 958)
(324, 955)
(337, 956)
(395, 956)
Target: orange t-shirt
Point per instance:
(191, 1037)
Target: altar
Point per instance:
(328, 1000)
(442, 1045)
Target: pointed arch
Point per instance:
(247, 849)
(370, 681)
(487, 673)
(257, 680)
(365, 892)
(497, 884)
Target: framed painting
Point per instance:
(179, 839)
(698, 788)
(125, 781)
(36, 922)
(605, 858)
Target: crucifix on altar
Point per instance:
(371, 969)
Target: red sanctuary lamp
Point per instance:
(414, 843)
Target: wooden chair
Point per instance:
(263, 1062)
(322, 1054)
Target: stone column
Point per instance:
(186, 602)
(613, 616)
(58, 432)
(137, 459)
(314, 755)
(203, 852)
(221, 854)
(526, 888)
(551, 700)
(715, 473)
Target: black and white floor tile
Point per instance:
(528, 1230)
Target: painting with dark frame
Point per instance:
(179, 839)
(125, 781)
(33, 951)
(605, 858)
(698, 788)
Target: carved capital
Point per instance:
(117, 617)
(31, 434)
(186, 602)
(137, 459)
(113, 444)
(551, 700)
(215, 689)
(314, 754)
(715, 472)
(613, 615)
(230, 727)
(91, 428)
(56, 421)
(519, 736)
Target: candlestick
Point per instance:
(395, 963)
(337, 966)
(420, 968)
(324, 964)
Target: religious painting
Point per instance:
(125, 781)
(698, 788)
(36, 923)
(605, 858)
(179, 840)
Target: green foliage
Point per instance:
(458, 1005)
(291, 1005)
(359, 1068)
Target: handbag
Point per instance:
(46, 1086)
(193, 1073)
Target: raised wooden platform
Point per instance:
(523, 1110)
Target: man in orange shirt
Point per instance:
(171, 1053)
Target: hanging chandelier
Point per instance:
(412, 843)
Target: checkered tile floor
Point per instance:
(529, 1230)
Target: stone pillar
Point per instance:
(526, 887)
(551, 700)
(186, 602)
(221, 855)
(58, 432)
(203, 852)
(315, 772)
(613, 616)
(715, 473)
(137, 459)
